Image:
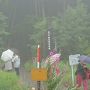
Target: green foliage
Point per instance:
(60, 82)
(73, 32)
(70, 30)
(26, 35)
(3, 32)
(87, 51)
(9, 81)
(40, 27)
(3, 24)
(62, 64)
(65, 81)
(52, 83)
(52, 79)
(29, 65)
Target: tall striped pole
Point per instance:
(49, 40)
(38, 64)
(38, 56)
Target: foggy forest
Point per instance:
(25, 23)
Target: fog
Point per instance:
(24, 14)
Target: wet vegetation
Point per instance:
(25, 23)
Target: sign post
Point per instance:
(38, 65)
(39, 74)
(73, 60)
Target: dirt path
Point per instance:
(26, 79)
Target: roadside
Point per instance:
(26, 79)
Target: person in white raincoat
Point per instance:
(16, 63)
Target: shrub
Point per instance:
(29, 65)
(9, 81)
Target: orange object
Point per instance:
(39, 74)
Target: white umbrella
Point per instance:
(7, 55)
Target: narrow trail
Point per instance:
(26, 79)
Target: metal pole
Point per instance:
(38, 85)
(72, 75)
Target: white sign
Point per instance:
(73, 59)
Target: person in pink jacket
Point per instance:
(81, 77)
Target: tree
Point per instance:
(3, 27)
(73, 30)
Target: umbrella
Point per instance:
(7, 55)
(84, 58)
(55, 58)
(52, 53)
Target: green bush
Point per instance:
(87, 51)
(64, 80)
(9, 81)
(52, 83)
(29, 65)
(52, 80)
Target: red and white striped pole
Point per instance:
(38, 56)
